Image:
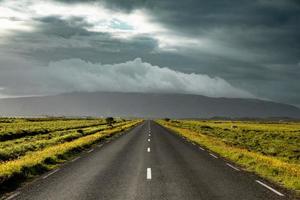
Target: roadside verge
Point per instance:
(274, 170)
(14, 172)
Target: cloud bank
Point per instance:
(134, 76)
(253, 45)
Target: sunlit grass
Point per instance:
(17, 128)
(273, 168)
(31, 160)
(12, 149)
(280, 140)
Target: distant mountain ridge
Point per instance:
(144, 105)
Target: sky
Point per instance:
(228, 48)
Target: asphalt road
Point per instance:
(148, 162)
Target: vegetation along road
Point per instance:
(151, 161)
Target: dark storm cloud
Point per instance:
(267, 31)
(55, 39)
(263, 26)
(254, 45)
(63, 28)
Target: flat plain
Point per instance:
(31, 146)
(270, 149)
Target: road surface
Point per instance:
(148, 162)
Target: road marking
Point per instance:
(75, 159)
(148, 140)
(201, 148)
(13, 196)
(213, 155)
(149, 135)
(148, 149)
(100, 145)
(273, 190)
(90, 150)
(149, 175)
(50, 173)
(233, 167)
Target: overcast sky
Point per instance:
(217, 48)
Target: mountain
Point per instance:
(145, 105)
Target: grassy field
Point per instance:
(31, 146)
(270, 149)
(12, 128)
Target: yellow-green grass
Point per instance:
(276, 139)
(271, 168)
(253, 125)
(17, 128)
(21, 166)
(12, 149)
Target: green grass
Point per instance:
(267, 149)
(280, 140)
(18, 128)
(13, 149)
(43, 152)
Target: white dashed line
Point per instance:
(149, 135)
(100, 145)
(213, 155)
(233, 167)
(201, 148)
(149, 174)
(75, 159)
(90, 150)
(148, 140)
(50, 173)
(273, 190)
(13, 196)
(148, 149)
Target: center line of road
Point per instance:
(13, 196)
(149, 135)
(233, 167)
(148, 140)
(273, 190)
(213, 155)
(148, 149)
(50, 173)
(149, 175)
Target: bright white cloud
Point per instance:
(22, 77)
(134, 76)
